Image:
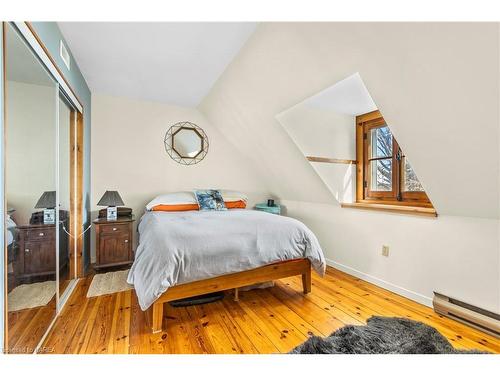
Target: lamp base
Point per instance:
(111, 213)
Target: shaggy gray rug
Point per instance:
(381, 336)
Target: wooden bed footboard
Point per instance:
(154, 315)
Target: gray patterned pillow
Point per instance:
(210, 200)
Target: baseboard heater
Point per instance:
(476, 317)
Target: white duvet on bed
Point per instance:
(180, 247)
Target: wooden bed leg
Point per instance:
(306, 281)
(156, 317)
(236, 294)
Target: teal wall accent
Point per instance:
(50, 36)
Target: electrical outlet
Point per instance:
(385, 250)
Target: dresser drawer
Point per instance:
(40, 234)
(115, 229)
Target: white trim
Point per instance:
(40, 52)
(58, 197)
(417, 297)
(67, 293)
(75, 203)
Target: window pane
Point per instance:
(411, 182)
(381, 175)
(381, 142)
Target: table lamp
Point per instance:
(111, 199)
(48, 202)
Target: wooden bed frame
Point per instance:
(154, 315)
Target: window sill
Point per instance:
(408, 210)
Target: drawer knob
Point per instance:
(41, 234)
(126, 241)
(26, 250)
(114, 228)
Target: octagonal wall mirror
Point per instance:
(186, 143)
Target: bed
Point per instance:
(184, 254)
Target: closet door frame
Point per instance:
(76, 142)
(76, 169)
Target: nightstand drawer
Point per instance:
(115, 229)
(41, 234)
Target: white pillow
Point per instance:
(233, 196)
(179, 197)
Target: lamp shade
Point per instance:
(110, 198)
(47, 200)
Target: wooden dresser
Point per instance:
(114, 242)
(36, 251)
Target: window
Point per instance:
(384, 174)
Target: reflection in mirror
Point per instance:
(187, 142)
(30, 185)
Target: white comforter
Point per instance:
(180, 247)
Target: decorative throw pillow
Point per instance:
(210, 200)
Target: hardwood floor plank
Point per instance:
(453, 330)
(179, 340)
(65, 327)
(262, 343)
(333, 305)
(194, 327)
(325, 321)
(284, 335)
(386, 309)
(272, 320)
(236, 336)
(274, 304)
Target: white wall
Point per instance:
(30, 150)
(437, 86)
(453, 255)
(128, 155)
(320, 132)
(324, 132)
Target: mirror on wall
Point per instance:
(37, 194)
(186, 143)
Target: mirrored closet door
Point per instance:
(38, 161)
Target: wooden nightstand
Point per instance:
(114, 242)
(276, 209)
(36, 250)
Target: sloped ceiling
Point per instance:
(436, 84)
(170, 62)
(348, 96)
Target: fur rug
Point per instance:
(381, 336)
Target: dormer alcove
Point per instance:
(346, 140)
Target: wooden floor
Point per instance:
(27, 327)
(273, 320)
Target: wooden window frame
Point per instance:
(364, 123)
